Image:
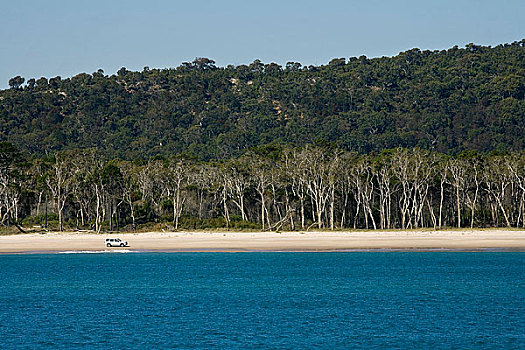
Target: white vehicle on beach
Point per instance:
(115, 242)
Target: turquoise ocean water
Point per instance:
(263, 300)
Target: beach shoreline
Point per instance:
(228, 241)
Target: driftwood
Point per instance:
(280, 224)
(19, 228)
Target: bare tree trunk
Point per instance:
(473, 207)
(504, 212)
(226, 212)
(289, 211)
(200, 194)
(332, 209)
(268, 218)
(432, 215)
(343, 214)
(319, 215)
(357, 208)
(302, 213)
(132, 211)
(97, 210)
(441, 198)
(45, 222)
(39, 202)
(263, 208)
(458, 206)
(522, 208)
(110, 215)
(175, 213)
(60, 217)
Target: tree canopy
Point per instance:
(447, 101)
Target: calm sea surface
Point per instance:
(263, 300)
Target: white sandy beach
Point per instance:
(269, 241)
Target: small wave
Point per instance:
(97, 251)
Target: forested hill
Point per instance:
(468, 98)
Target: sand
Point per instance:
(466, 240)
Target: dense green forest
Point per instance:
(446, 101)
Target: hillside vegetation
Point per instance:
(446, 101)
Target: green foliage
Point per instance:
(447, 101)
(194, 223)
(16, 82)
(9, 155)
(40, 219)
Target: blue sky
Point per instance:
(59, 37)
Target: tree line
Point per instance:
(446, 101)
(268, 188)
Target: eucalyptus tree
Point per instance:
(296, 170)
(112, 186)
(60, 181)
(413, 169)
(442, 173)
(387, 187)
(497, 179)
(260, 171)
(281, 194)
(237, 181)
(423, 167)
(11, 202)
(335, 168)
(221, 188)
(96, 182)
(361, 177)
(10, 182)
(315, 176)
(458, 180)
(473, 165)
(176, 180)
(283, 198)
(516, 167)
(82, 192)
(164, 180)
(201, 180)
(129, 188)
(145, 177)
(38, 173)
(88, 185)
(345, 184)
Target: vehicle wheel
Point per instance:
(109, 244)
(122, 244)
